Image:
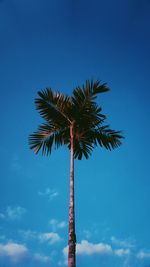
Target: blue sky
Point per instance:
(60, 44)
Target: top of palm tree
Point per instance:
(80, 111)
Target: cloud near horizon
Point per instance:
(122, 256)
(87, 248)
(16, 253)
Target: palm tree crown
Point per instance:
(79, 110)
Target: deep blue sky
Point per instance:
(60, 44)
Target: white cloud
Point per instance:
(87, 248)
(15, 252)
(122, 243)
(56, 224)
(143, 255)
(49, 193)
(124, 256)
(15, 213)
(28, 234)
(51, 237)
(122, 252)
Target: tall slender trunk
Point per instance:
(72, 235)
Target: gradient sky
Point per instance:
(60, 44)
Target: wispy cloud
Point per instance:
(87, 234)
(55, 224)
(126, 243)
(122, 252)
(13, 213)
(143, 255)
(51, 237)
(48, 193)
(28, 234)
(48, 237)
(41, 258)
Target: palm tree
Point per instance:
(77, 122)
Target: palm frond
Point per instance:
(108, 138)
(53, 106)
(82, 147)
(46, 137)
(85, 110)
(89, 91)
(83, 143)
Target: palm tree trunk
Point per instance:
(72, 236)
